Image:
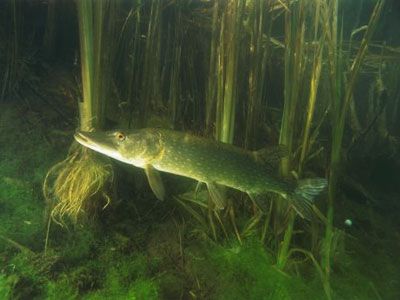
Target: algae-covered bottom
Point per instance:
(139, 248)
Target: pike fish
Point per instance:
(208, 161)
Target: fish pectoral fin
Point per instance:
(217, 195)
(155, 181)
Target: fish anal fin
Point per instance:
(217, 195)
(155, 181)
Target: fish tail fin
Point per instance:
(304, 195)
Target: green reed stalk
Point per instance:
(258, 56)
(294, 70)
(175, 82)
(88, 107)
(129, 53)
(230, 33)
(340, 107)
(284, 247)
(97, 32)
(80, 176)
(134, 82)
(222, 83)
(211, 91)
(314, 84)
(151, 80)
(330, 21)
(353, 74)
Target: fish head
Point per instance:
(136, 147)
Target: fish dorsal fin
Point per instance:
(155, 181)
(216, 194)
(270, 156)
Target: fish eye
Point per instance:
(120, 136)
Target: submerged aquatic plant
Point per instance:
(341, 99)
(81, 176)
(162, 44)
(70, 183)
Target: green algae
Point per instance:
(246, 272)
(133, 254)
(7, 284)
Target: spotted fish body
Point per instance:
(204, 160)
(207, 160)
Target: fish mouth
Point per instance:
(101, 142)
(98, 142)
(81, 138)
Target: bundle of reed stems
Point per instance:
(244, 42)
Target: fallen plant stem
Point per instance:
(17, 245)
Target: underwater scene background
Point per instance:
(312, 85)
